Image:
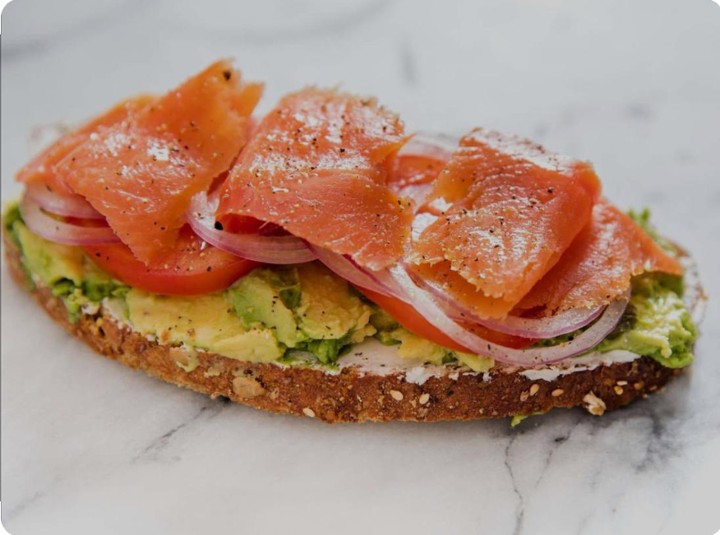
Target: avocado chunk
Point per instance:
(66, 270)
(656, 324)
(11, 215)
(476, 363)
(306, 306)
(520, 418)
(48, 261)
(267, 297)
(414, 347)
(330, 314)
(383, 321)
(206, 322)
(255, 345)
(328, 308)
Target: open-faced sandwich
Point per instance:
(322, 261)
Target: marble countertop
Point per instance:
(89, 446)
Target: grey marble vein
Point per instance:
(520, 507)
(320, 28)
(554, 447)
(17, 46)
(662, 444)
(10, 513)
(154, 450)
(408, 64)
(639, 111)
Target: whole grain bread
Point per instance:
(354, 395)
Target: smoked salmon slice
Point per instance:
(599, 264)
(414, 175)
(318, 166)
(512, 210)
(140, 173)
(42, 168)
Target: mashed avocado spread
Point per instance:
(413, 347)
(304, 314)
(656, 323)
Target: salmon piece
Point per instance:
(512, 210)
(41, 169)
(599, 264)
(445, 280)
(414, 174)
(141, 173)
(318, 166)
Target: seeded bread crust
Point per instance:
(351, 395)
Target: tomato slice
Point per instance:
(409, 318)
(193, 268)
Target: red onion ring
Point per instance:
(383, 283)
(376, 281)
(266, 249)
(539, 328)
(582, 343)
(64, 205)
(549, 327)
(58, 231)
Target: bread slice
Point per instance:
(368, 385)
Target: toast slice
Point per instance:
(371, 384)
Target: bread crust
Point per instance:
(352, 395)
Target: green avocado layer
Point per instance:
(304, 314)
(266, 316)
(656, 323)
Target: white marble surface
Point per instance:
(90, 447)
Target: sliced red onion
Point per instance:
(376, 281)
(64, 205)
(538, 328)
(266, 249)
(549, 327)
(582, 343)
(58, 231)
